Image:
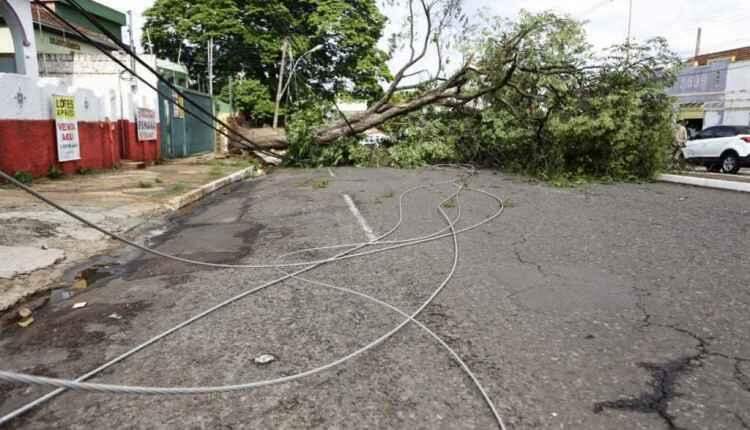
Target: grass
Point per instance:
(86, 171)
(217, 171)
(320, 183)
(225, 166)
(450, 203)
(172, 190)
(55, 172)
(178, 188)
(24, 177)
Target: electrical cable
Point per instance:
(434, 335)
(143, 390)
(158, 91)
(148, 67)
(396, 244)
(252, 385)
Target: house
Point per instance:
(71, 107)
(52, 36)
(714, 89)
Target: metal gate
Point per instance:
(183, 133)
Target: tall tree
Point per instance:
(248, 37)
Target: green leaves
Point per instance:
(251, 98)
(248, 37)
(570, 113)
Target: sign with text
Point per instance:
(66, 127)
(179, 109)
(146, 123)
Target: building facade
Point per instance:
(103, 101)
(714, 89)
(53, 36)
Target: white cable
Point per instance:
(31, 378)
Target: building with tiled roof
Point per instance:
(53, 37)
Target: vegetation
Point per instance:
(529, 95)
(251, 98)
(24, 177)
(54, 172)
(564, 114)
(86, 171)
(248, 37)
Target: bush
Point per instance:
(24, 177)
(54, 172)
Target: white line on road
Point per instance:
(330, 172)
(358, 215)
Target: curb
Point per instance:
(718, 184)
(193, 196)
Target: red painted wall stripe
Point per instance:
(30, 145)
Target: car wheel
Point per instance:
(730, 163)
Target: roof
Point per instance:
(99, 10)
(42, 16)
(736, 54)
(171, 66)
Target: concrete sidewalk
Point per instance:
(39, 244)
(699, 177)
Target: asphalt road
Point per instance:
(604, 307)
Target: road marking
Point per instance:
(330, 172)
(358, 215)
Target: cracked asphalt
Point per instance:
(602, 307)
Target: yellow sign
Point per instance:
(66, 126)
(65, 107)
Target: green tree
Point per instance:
(251, 98)
(248, 37)
(569, 112)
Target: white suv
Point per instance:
(723, 148)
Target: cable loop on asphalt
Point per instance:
(351, 252)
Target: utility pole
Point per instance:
(629, 31)
(630, 20)
(132, 42)
(698, 42)
(211, 66)
(231, 95)
(150, 43)
(284, 48)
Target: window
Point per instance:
(725, 132)
(708, 133)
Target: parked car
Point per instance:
(723, 148)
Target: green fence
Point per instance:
(183, 133)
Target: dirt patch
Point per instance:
(66, 328)
(24, 230)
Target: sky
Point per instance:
(724, 22)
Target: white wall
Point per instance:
(17, 15)
(737, 97)
(101, 91)
(712, 118)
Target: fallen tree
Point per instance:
(456, 90)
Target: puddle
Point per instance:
(96, 273)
